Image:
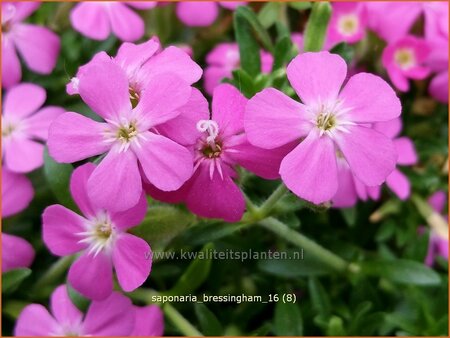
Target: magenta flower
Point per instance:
(16, 253)
(101, 238)
(113, 316)
(96, 19)
(145, 61)
(330, 122)
(223, 59)
(348, 23)
(202, 13)
(438, 245)
(405, 59)
(392, 20)
(38, 46)
(17, 192)
(127, 137)
(23, 125)
(219, 145)
(436, 35)
(149, 322)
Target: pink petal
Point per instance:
(439, 87)
(398, 78)
(175, 61)
(162, 98)
(17, 192)
(16, 253)
(225, 54)
(166, 164)
(63, 309)
(176, 196)
(91, 19)
(438, 201)
(35, 321)
(370, 98)
(216, 197)
(142, 4)
(149, 322)
(406, 151)
(113, 316)
(317, 76)
(92, 276)
(310, 170)
(73, 137)
(346, 196)
(272, 119)
(23, 100)
(78, 189)
(104, 88)
(38, 46)
(24, 9)
(115, 184)
(213, 77)
(399, 184)
(197, 13)
(126, 24)
(130, 218)
(60, 227)
(11, 69)
(40, 122)
(132, 261)
(194, 110)
(228, 106)
(370, 154)
(23, 155)
(391, 128)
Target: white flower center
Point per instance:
(124, 133)
(348, 24)
(100, 234)
(329, 117)
(405, 58)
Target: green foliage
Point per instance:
(11, 280)
(317, 26)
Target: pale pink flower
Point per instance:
(38, 46)
(17, 192)
(96, 19)
(24, 126)
(100, 235)
(202, 13)
(219, 145)
(225, 58)
(330, 122)
(16, 253)
(127, 136)
(438, 246)
(348, 23)
(114, 316)
(405, 59)
(149, 322)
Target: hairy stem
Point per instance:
(265, 209)
(180, 322)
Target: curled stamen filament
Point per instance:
(211, 128)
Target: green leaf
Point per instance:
(162, 223)
(81, 302)
(316, 27)
(268, 14)
(294, 267)
(196, 273)
(300, 5)
(336, 327)
(244, 82)
(288, 320)
(209, 324)
(12, 279)
(58, 177)
(346, 51)
(319, 298)
(402, 271)
(282, 52)
(13, 308)
(350, 215)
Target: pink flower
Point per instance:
(348, 23)
(127, 137)
(113, 316)
(149, 322)
(332, 123)
(17, 192)
(223, 59)
(392, 20)
(23, 125)
(38, 46)
(16, 253)
(219, 144)
(436, 35)
(202, 13)
(405, 59)
(438, 245)
(143, 62)
(101, 238)
(96, 19)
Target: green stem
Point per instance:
(270, 203)
(327, 257)
(180, 322)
